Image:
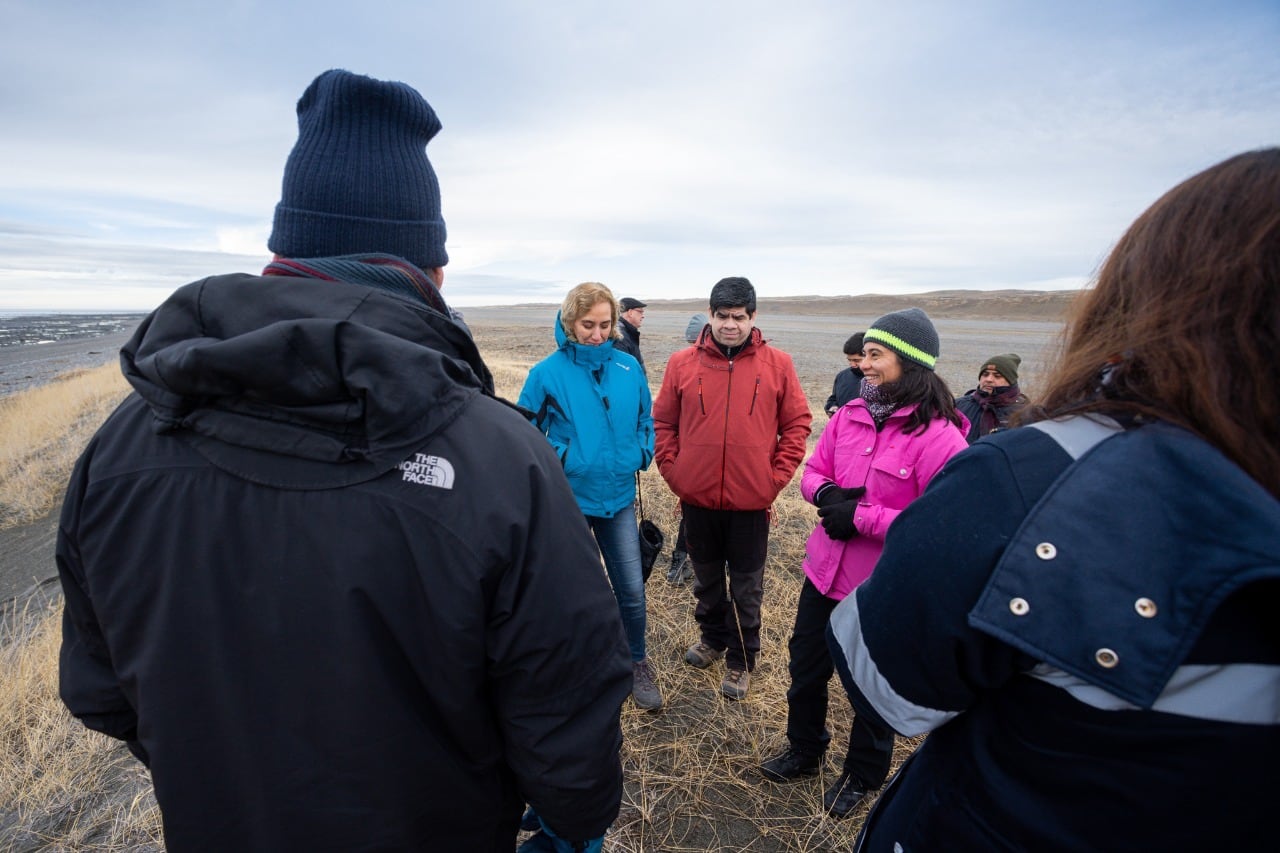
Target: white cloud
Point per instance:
(821, 146)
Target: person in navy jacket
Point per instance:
(1082, 611)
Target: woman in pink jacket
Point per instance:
(876, 455)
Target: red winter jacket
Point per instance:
(730, 432)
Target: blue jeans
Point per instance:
(619, 541)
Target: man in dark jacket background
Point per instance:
(299, 583)
(848, 382)
(997, 398)
(630, 319)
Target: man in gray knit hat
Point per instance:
(283, 588)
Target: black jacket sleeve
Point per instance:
(559, 665)
(87, 680)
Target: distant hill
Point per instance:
(1049, 305)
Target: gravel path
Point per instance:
(22, 367)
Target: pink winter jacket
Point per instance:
(894, 467)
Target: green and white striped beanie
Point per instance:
(909, 333)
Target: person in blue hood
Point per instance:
(592, 402)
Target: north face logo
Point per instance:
(425, 470)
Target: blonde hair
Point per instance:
(582, 299)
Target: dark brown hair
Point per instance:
(1183, 320)
(928, 390)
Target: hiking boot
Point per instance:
(681, 569)
(702, 656)
(643, 691)
(735, 684)
(843, 796)
(789, 766)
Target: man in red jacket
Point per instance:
(731, 423)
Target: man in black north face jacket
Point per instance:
(316, 575)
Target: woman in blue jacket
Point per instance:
(592, 402)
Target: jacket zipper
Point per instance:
(724, 443)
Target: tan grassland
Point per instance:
(62, 787)
(43, 430)
(690, 770)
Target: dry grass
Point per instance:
(691, 770)
(43, 430)
(691, 778)
(62, 787)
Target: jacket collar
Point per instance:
(580, 353)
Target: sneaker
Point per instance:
(789, 766)
(681, 570)
(643, 691)
(843, 796)
(735, 684)
(702, 656)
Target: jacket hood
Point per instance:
(581, 353)
(301, 383)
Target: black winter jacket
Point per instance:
(629, 342)
(970, 405)
(336, 594)
(847, 386)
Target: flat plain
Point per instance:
(691, 772)
(972, 326)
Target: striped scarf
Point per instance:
(880, 402)
(991, 403)
(386, 272)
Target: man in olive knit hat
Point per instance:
(283, 584)
(991, 405)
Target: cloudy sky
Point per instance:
(815, 146)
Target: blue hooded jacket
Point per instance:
(593, 405)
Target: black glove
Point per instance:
(833, 494)
(837, 520)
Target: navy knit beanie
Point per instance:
(909, 333)
(358, 180)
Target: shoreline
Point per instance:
(27, 365)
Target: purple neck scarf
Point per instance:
(880, 403)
